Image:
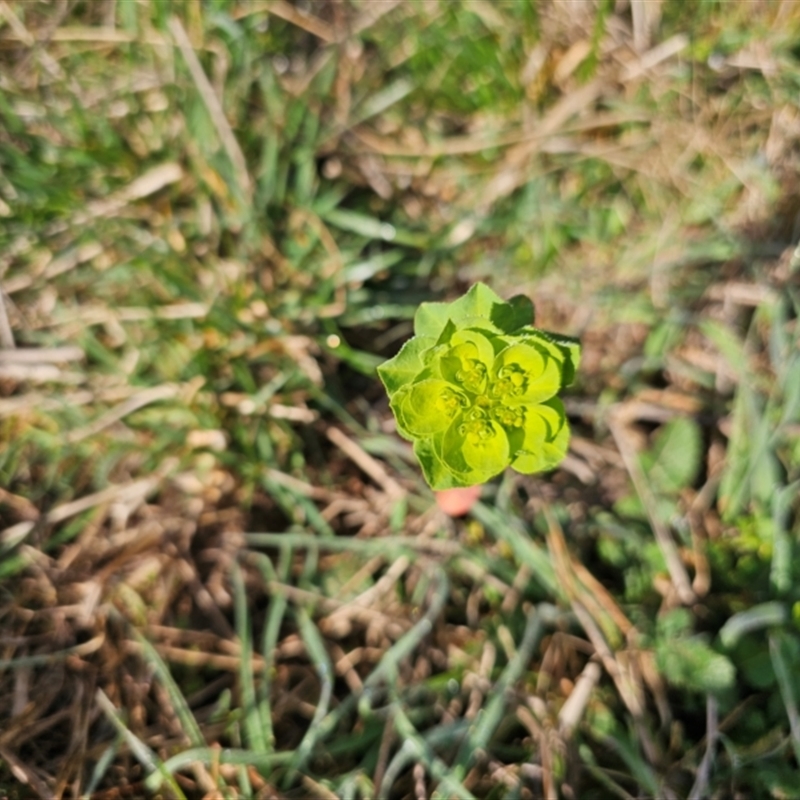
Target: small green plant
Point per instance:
(475, 389)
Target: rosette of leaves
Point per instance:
(475, 389)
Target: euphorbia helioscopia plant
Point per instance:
(475, 389)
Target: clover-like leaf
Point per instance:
(475, 389)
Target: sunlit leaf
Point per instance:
(479, 302)
(537, 372)
(430, 405)
(545, 438)
(406, 365)
(490, 454)
(567, 347)
(430, 319)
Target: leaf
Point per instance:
(752, 469)
(542, 373)
(733, 490)
(675, 457)
(430, 406)
(475, 307)
(779, 344)
(730, 346)
(437, 475)
(692, 664)
(754, 664)
(767, 474)
(513, 315)
(449, 447)
(446, 333)
(463, 366)
(783, 652)
(791, 391)
(430, 319)
(484, 350)
(405, 366)
(544, 440)
(490, 455)
(397, 404)
(674, 624)
(482, 324)
(568, 347)
(371, 228)
(763, 615)
(479, 302)
(781, 569)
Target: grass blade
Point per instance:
(784, 674)
(176, 698)
(319, 656)
(253, 725)
(159, 773)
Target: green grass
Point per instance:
(232, 210)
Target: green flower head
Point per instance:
(475, 389)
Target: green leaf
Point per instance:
(767, 474)
(543, 442)
(405, 366)
(463, 367)
(430, 319)
(539, 372)
(674, 624)
(763, 615)
(734, 493)
(691, 663)
(446, 333)
(477, 306)
(437, 475)
(730, 346)
(754, 664)
(449, 449)
(479, 302)
(781, 569)
(568, 347)
(484, 349)
(513, 315)
(675, 458)
(371, 228)
(396, 403)
(791, 390)
(430, 406)
(783, 652)
(490, 455)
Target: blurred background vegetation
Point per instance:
(221, 573)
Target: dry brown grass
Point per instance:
(170, 389)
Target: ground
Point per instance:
(222, 572)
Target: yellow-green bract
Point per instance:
(475, 389)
